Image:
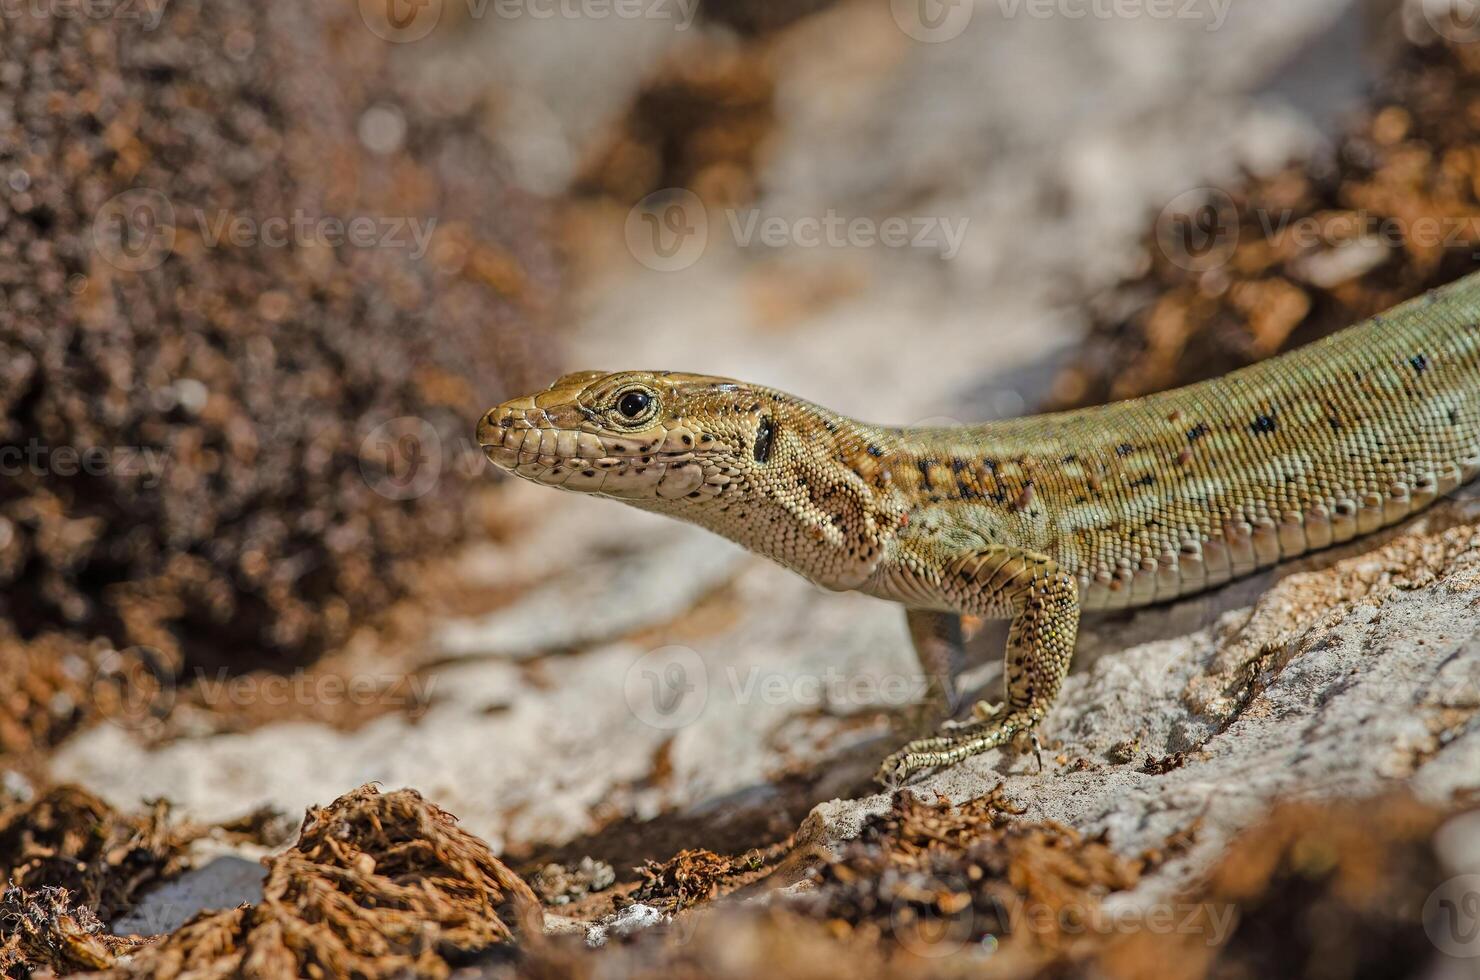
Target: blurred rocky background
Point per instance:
(264, 266)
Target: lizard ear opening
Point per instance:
(763, 438)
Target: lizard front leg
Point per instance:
(1043, 602)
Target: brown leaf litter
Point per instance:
(45, 930)
(378, 885)
(697, 875)
(932, 877)
(1331, 890)
(68, 838)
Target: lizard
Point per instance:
(1033, 519)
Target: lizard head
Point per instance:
(635, 435)
(775, 473)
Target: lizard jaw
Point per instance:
(542, 446)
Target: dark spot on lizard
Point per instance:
(1453, 416)
(958, 465)
(1335, 423)
(589, 473)
(1419, 362)
(1197, 432)
(764, 435)
(875, 451)
(1144, 481)
(1124, 449)
(1263, 425)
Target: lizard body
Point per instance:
(1034, 519)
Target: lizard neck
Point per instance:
(823, 504)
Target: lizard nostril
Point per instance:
(491, 428)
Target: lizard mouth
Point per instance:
(542, 446)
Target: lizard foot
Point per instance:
(959, 742)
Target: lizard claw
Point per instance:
(896, 770)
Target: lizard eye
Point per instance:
(632, 404)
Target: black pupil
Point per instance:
(633, 403)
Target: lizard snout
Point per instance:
(501, 431)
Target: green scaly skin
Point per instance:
(1034, 519)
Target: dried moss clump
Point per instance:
(1276, 262)
(378, 885)
(192, 374)
(68, 838)
(936, 880)
(44, 931)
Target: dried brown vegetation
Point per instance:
(1276, 262)
(191, 370)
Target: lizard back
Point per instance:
(1163, 496)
